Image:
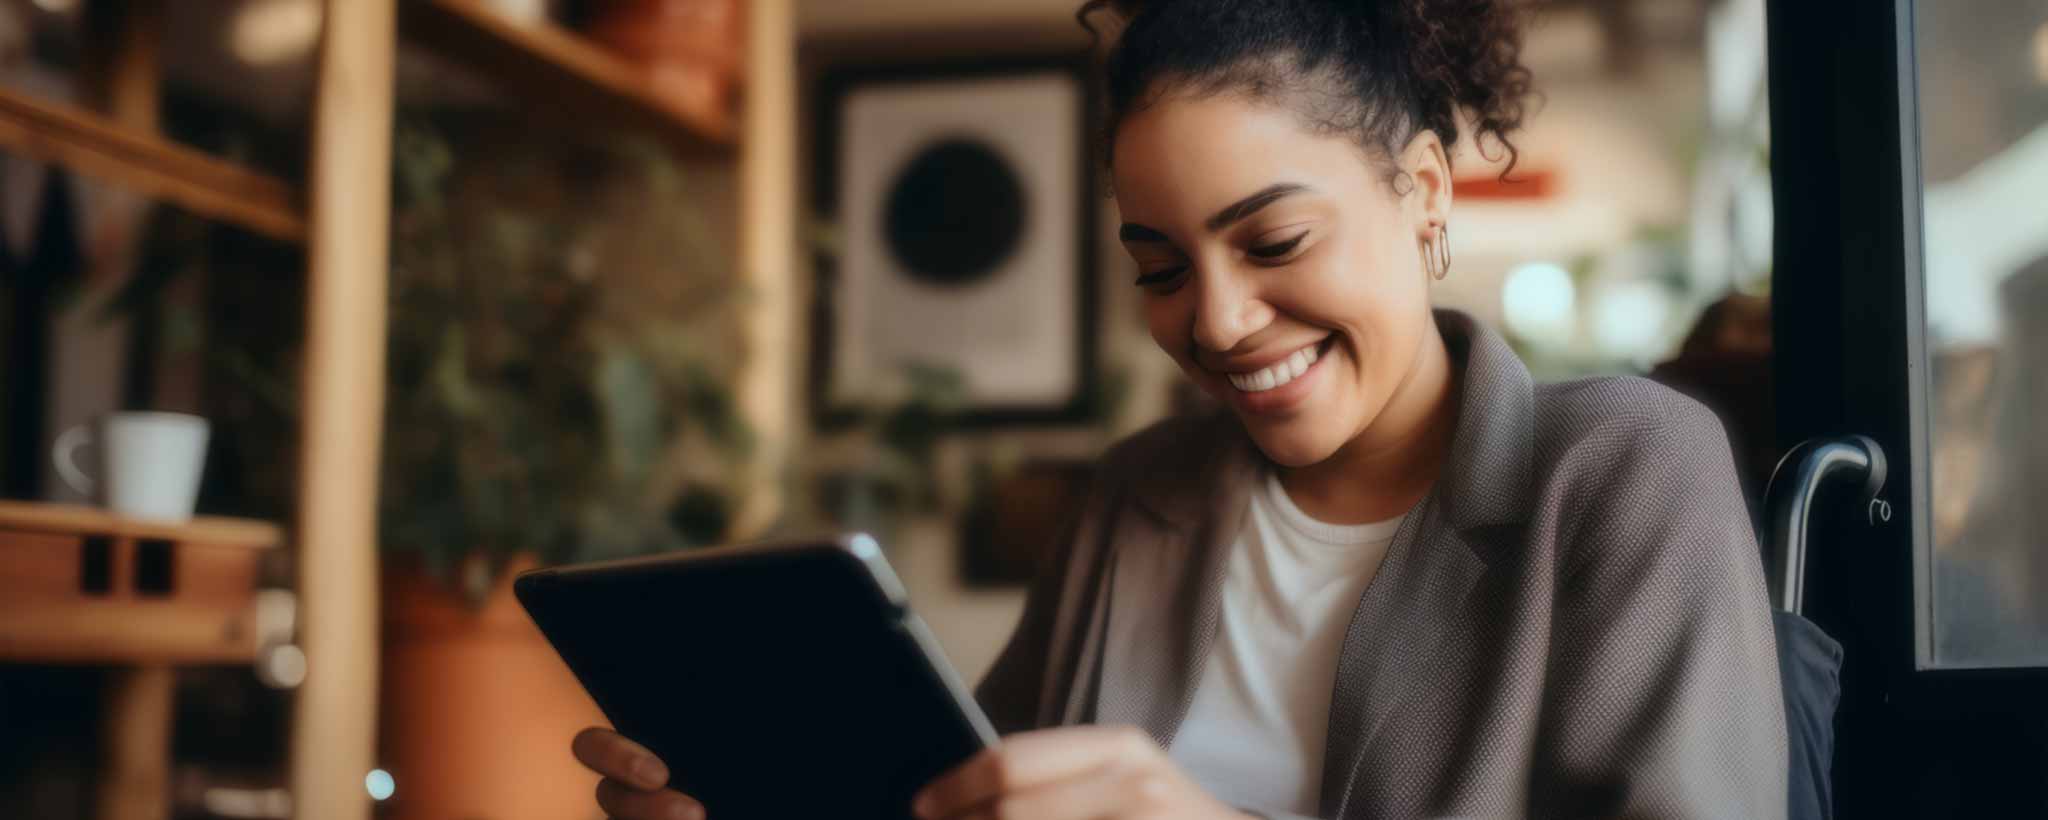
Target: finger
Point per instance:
(628, 803)
(610, 754)
(1104, 792)
(1031, 759)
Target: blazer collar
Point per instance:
(1486, 482)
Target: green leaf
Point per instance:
(451, 374)
(632, 412)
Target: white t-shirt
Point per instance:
(1254, 735)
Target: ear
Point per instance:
(1429, 201)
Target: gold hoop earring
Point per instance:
(1441, 246)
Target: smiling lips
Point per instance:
(1277, 373)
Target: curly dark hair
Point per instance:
(1381, 70)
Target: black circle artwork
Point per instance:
(955, 212)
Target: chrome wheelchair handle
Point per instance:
(1788, 502)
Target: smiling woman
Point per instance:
(1395, 578)
(1272, 252)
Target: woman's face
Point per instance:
(1280, 269)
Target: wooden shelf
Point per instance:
(93, 146)
(193, 605)
(241, 533)
(546, 64)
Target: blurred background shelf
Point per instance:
(304, 95)
(542, 61)
(79, 585)
(95, 146)
(82, 586)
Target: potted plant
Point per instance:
(868, 471)
(560, 343)
(555, 393)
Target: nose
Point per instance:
(1227, 310)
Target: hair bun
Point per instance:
(1386, 69)
(1467, 54)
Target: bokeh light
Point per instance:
(1539, 302)
(380, 784)
(1628, 318)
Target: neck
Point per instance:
(1389, 466)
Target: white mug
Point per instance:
(150, 463)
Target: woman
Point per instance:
(1395, 579)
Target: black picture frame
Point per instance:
(832, 88)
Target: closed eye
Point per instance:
(1163, 276)
(1277, 249)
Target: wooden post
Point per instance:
(349, 211)
(767, 251)
(122, 61)
(122, 74)
(136, 730)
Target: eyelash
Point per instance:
(1160, 277)
(1262, 252)
(1278, 249)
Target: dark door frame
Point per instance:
(1851, 358)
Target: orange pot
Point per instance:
(690, 51)
(706, 33)
(477, 710)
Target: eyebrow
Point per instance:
(1232, 214)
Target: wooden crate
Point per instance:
(78, 585)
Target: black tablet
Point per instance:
(777, 680)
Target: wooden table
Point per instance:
(80, 586)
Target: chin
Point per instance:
(1291, 447)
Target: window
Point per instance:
(1983, 99)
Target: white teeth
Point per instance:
(1276, 374)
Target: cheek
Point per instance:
(1167, 321)
(1169, 318)
(1376, 299)
(1356, 290)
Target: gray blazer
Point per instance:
(1571, 624)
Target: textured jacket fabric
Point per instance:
(1572, 623)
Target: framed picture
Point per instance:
(962, 196)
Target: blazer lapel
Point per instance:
(1165, 580)
(1418, 604)
(1412, 610)
(1165, 597)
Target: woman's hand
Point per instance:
(1074, 772)
(633, 779)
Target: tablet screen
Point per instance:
(775, 683)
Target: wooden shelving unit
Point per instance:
(95, 146)
(51, 612)
(80, 585)
(342, 216)
(540, 62)
(545, 62)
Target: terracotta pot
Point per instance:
(690, 51)
(703, 33)
(477, 710)
(695, 93)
